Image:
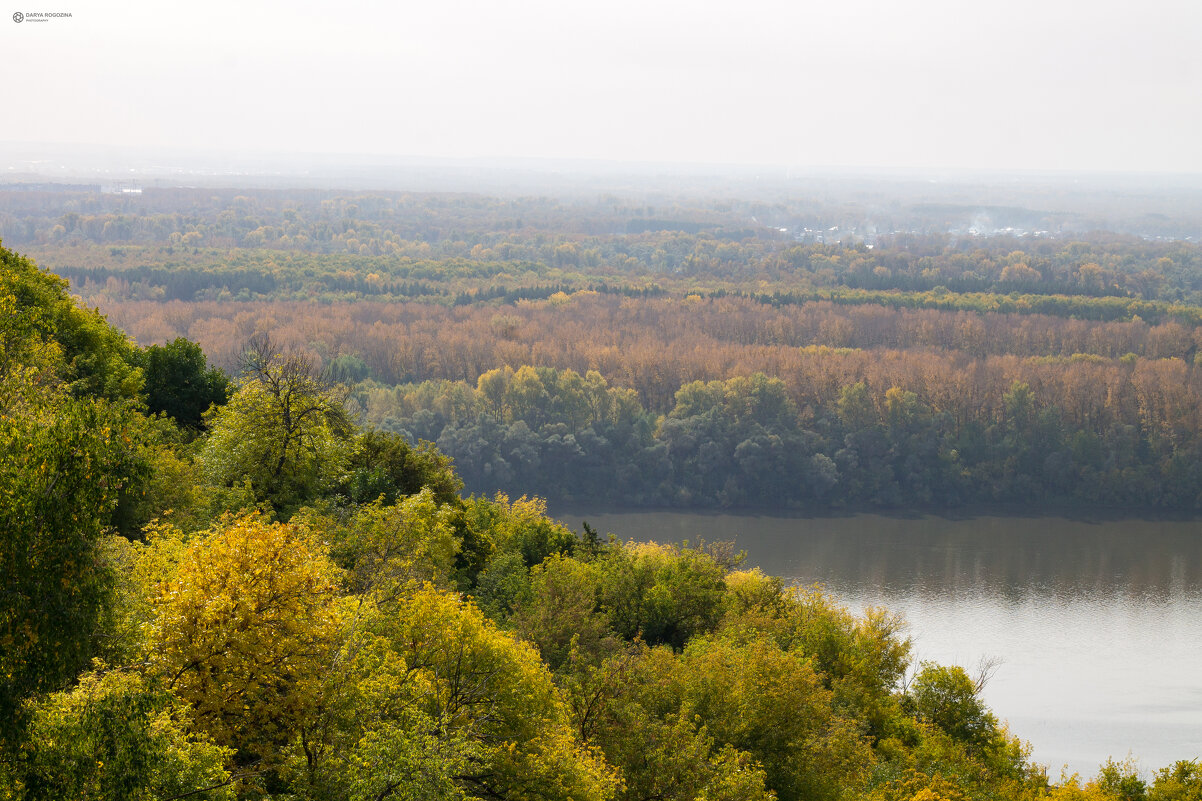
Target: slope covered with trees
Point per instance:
(276, 603)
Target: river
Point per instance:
(1097, 626)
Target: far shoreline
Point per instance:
(560, 510)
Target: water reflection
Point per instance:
(1098, 625)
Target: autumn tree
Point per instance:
(118, 735)
(285, 432)
(244, 628)
(434, 701)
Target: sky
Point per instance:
(1073, 85)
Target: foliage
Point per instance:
(773, 705)
(862, 660)
(1181, 781)
(65, 461)
(507, 540)
(388, 550)
(434, 697)
(660, 594)
(393, 640)
(559, 613)
(947, 698)
(244, 629)
(118, 736)
(284, 433)
(1122, 433)
(167, 483)
(180, 384)
(97, 359)
(384, 465)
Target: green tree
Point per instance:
(860, 659)
(855, 407)
(773, 705)
(384, 464)
(180, 384)
(661, 594)
(492, 387)
(561, 616)
(96, 359)
(948, 699)
(432, 700)
(389, 550)
(117, 736)
(64, 463)
(1181, 781)
(285, 432)
(520, 527)
(1121, 781)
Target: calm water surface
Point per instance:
(1098, 626)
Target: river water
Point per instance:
(1097, 625)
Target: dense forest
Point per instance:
(218, 584)
(795, 355)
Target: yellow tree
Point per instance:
(433, 700)
(244, 630)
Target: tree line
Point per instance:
(1096, 434)
(691, 337)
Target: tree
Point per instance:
(390, 550)
(502, 542)
(384, 464)
(855, 406)
(948, 699)
(180, 384)
(118, 736)
(772, 704)
(97, 360)
(520, 527)
(662, 594)
(432, 700)
(66, 452)
(1181, 781)
(285, 432)
(560, 616)
(1121, 781)
(244, 629)
(64, 462)
(675, 758)
(722, 712)
(860, 659)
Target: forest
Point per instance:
(641, 351)
(221, 584)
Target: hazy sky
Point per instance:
(1023, 84)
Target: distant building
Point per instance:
(122, 188)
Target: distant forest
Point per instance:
(680, 352)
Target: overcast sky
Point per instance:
(1021, 84)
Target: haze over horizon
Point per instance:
(865, 84)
